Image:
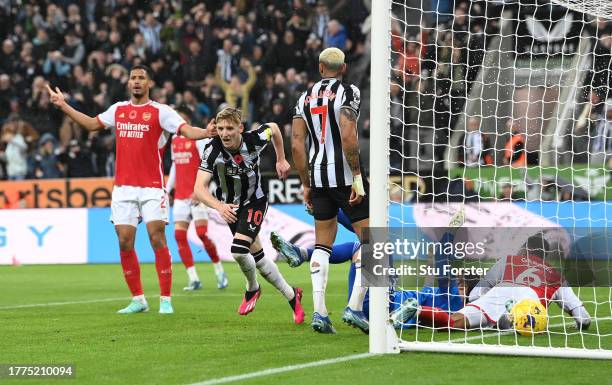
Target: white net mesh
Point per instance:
(504, 107)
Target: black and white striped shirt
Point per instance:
(320, 107)
(236, 174)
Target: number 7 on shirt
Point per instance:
(321, 110)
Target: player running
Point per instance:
(185, 162)
(232, 160)
(143, 127)
(332, 177)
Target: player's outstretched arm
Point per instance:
(57, 98)
(350, 147)
(202, 194)
(298, 150)
(198, 133)
(282, 166)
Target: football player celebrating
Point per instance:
(185, 162)
(232, 160)
(143, 128)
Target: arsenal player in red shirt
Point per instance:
(185, 163)
(142, 130)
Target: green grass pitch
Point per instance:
(205, 339)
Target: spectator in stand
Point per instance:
(76, 162)
(601, 138)
(150, 29)
(8, 57)
(473, 143)
(320, 20)
(47, 164)
(237, 93)
(15, 153)
(336, 35)
(514, 152)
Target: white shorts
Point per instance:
(131, 204)
(185, 210)
(488, 309)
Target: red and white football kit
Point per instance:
(186, 154)
(142, 133)
(512, 279)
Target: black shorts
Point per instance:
(250, 218)
(327, 200)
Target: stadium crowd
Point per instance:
(254, 55)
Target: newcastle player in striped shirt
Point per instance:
(232, 161)
(326, 117)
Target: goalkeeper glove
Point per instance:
(358, 185)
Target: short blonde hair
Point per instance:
(232, 114)
(332, 58)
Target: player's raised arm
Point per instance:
(57, 98)
(198, 133)
(282, 166)
(298, 150)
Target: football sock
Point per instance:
(131, 272)
(209, 246)
(292, 300)
(218, 267)
(435, 317)
(269, 270)
(340, 253)
(358, 293)
(192, 274)
(183, 247)
(240, 252)
(140, 298)
(319, 266)
(163, 265)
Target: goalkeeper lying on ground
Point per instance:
(448, 296)
(511, 280)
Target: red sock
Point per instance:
(163, 265)
(183, 248)
(208, 244)
(131, 271)
(435, 317)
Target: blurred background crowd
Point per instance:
(254, 55)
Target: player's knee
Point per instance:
(240, 249)
(126, 242)
(157, 239)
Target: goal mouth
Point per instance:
(500, 111)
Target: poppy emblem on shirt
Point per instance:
(132, 114)
(238, 158)
(146, 116)
(188, 145)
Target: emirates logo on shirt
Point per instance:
(146, 116)
(238, 158)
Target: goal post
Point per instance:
(382, 338)
(451, 89)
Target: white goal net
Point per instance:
(500, 110)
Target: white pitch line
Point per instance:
(283, 369)
(49, 304)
